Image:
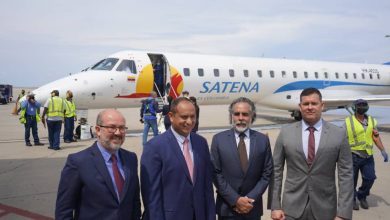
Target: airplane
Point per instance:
(123, 79)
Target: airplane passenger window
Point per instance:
(370, 75)
(127, 66)
(259, 73)
(186, 71)
(363, 76)
(246, 73)
(306, 74)
(216, 72)
(231, 73)
(284, 74)
(316, 75)
(336, 75)
(106, 64)
(295, 75)
(272, 74)
(346, 75)
(354, 75)
(200, 72)
(326, 75)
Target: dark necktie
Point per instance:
(117, 175)
(242, 153)
(311, 151)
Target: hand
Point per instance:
(44, 122)
(278, 215)
(244, 205)
(385, 156)
(141, 120)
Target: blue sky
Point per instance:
(44, 40)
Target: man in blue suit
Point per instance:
(243, 165)
(176, 170)
(101, 182)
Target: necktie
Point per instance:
(187, 157)
(311, 146)
(117, 175)
(242, 153)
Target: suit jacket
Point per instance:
(315, 183)
(86, 190)
(167, 190)
(229, 179)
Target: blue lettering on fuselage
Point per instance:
(229, 87)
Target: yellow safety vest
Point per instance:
(358, 138)
(55, 107)
(70, 108)
(22, 118)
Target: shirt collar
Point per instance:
(237, 135)
(317, 125)
(105, 153)
(179, 137)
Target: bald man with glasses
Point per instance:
(101, 182)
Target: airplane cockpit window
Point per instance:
(127, 66)
(106, 64)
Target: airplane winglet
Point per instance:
(387, 63)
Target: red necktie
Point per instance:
(242, 153)
(117, 175)
(311, 146)
(187, 157)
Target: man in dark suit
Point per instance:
(101, 182)
(242, 161)
(176, 170)
(312, 150)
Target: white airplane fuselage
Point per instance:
(212, 79)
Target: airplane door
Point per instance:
(162, 74)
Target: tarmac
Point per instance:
(29, 176)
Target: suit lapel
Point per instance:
(232, 148)
(179, 154)
(195, 151)
(324, 137)
(102, 168)
(298, 133)
(252, 148)
(126, 170)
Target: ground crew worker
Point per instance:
(29, 116)
(362, 134)
(70, 117)
(148, 112)
(17, 107)
(55, 109)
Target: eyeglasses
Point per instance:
(245, 114)
(113, 129)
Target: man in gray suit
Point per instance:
(312, 149)
(243, 167)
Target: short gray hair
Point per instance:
(244, 100)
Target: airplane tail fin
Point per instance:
(387, 63)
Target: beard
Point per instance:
(240, 127)
(113, 144)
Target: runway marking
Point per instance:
(13, 210)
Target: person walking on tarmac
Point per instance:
(148, 113)
(70, 117)
(55, 110)
(30, 116)
(17, 107)
(362, 134)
